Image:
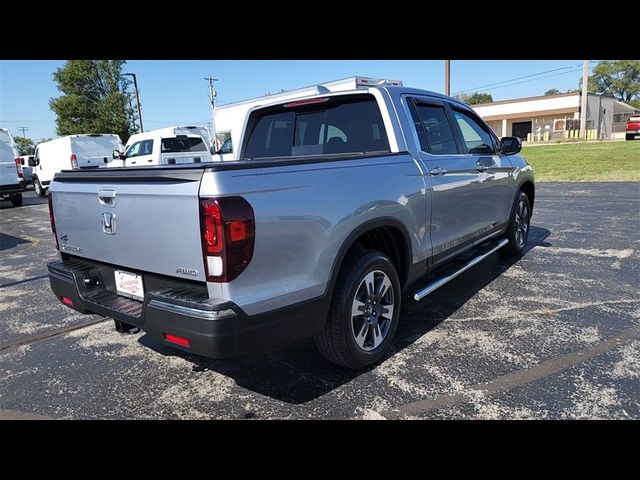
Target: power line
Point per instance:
(518, 78)
(534, 79)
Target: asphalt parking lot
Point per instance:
(554, 334)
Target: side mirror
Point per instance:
(510, 145)
(33, 162)
(226, 147)
(115, 154)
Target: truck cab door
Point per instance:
(495, 186)
(453, 179)
(140, 154)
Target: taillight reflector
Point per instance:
(19, 167)
(74, 161)
(177, 340)
(53, 220)
(237, 231)
(66, 300)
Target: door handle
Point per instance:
(437, 171)
(481, 167)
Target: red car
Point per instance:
(633, 127)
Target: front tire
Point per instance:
(364, 311)
(630, 137)
(518, 230)
(40, 191)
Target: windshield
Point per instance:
(6, 148)
(183, 144)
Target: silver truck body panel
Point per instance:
(304, 212)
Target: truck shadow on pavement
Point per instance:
(297, 374)
(8, 242)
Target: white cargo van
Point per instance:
(12, 182)
(166, 146)
(71, 152)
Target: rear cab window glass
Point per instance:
(350, 124)
(182, 143)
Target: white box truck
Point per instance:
(72, 152)
(12, 182)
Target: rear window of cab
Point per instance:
(349, 124)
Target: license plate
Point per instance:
(129, 285)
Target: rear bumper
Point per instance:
(13, 188)
(214, 328)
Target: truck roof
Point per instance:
(81, 135)
(170, 131)
(354, 84)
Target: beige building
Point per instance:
(556, 117)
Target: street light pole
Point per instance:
(447, 77)
(583, 100)
(212, 98)
(135, 86)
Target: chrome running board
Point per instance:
(420, 294)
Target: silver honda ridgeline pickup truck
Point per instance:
(339, 202)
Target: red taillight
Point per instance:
(19, 167)
(74, 161)
(177, 340)
(212, 227)
(228, 229)
(67, 301)
(52, 220)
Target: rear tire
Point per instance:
(518, 230)
(16, 200)
(40, 191)
(364, 311)
(630, 137)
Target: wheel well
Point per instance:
(390, 241)
(529, 190)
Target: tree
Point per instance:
(552, 91)
(635, 103)
(617, 78)
(475, 98)
(94, 98)
(24, 145)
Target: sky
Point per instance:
(175, 92)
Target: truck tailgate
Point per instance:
(140, 219)
(183, 157)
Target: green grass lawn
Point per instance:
(582, 162)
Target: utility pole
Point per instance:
(212, 99)
(583, 100)
(135, 86)
(447, 77)
(24, 131)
